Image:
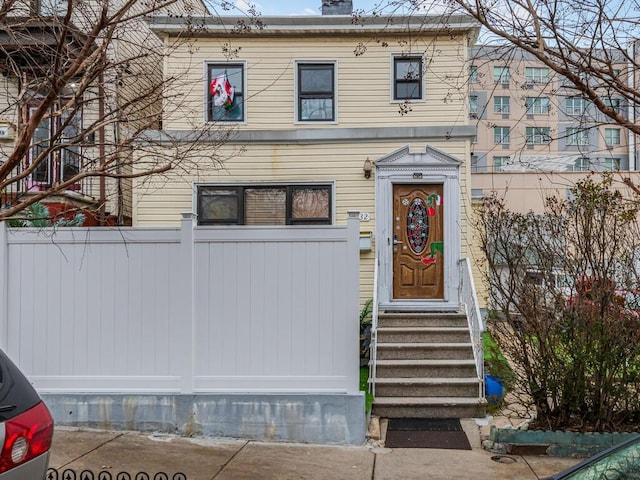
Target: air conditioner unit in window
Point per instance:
(7, 131)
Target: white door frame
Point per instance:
(428, 167)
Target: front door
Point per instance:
(418, 241)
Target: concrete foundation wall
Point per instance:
(333, 419)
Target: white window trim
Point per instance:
(618, 137)
(335, 93)
(501, 107)
(576, 136)
(571, 111)
(392, 78)
(535, 78)
(205, 103)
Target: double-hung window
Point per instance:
(538, 135)
(408, 78)
(316, 86)
(575, 106)
(614, 103)
(55, 146)
(264, 204)
(225, 92)
(499, 162)
(536, 74)
(612, 137)
(501, 135)
(577, 136)
(501, 75)
(501, 105)
(582, 164)
(610, 164)
(537, 105)
(473, 106)
(473, 73)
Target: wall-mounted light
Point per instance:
(367, 168)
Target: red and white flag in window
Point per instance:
(222, 91)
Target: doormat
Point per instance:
(426, 433)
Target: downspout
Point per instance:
(631, 83)
(102, 148)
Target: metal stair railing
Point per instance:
(469, 299)
(373, 348)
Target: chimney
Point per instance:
(337, 7)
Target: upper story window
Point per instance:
(501, 105)
(499, 163)
(536, 74)
(577, 136)
(614, 103)
(55, 147)
(576, 105)
(501, 135)
(582, 164)
(264, 204)
(610, 164)
(316, 94)
(537, 105)
(538, 135)
(501, 75)
(612, 136)
(225, 92)
(408, 78)
(473, 74)
(473, 106)
(50, 8)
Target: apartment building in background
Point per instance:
(530, 119)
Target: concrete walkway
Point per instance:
(229, 459)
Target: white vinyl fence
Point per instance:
(182, 310)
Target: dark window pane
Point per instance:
(407, 91)
(265, 206)
(40, 143)
(316, 79)
(70, 162)
(310, 203)
(218, 205)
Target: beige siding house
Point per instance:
(289, 130)
(308, 118)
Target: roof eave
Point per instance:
(316, 25)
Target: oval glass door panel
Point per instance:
(417, 226)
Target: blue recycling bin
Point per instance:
(493, 388)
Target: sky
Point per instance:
(298, 7)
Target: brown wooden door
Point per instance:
(418, 242)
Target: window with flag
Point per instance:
(316, 87)
(225, 92)
(291, 204)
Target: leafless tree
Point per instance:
(82, 86)
(583, 41)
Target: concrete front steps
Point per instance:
(425, 367)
